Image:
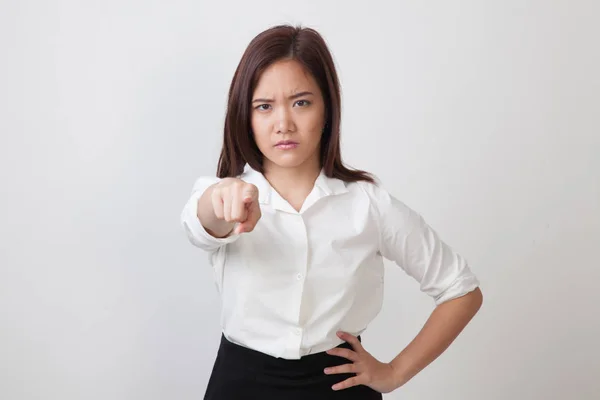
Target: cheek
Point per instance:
(315, 119)
(313, 126)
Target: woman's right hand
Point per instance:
(233, 201)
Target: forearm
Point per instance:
(443, 326)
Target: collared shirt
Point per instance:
(289, 285)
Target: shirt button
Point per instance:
(297, 331)
(299, 276)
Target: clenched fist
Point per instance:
(233, 202)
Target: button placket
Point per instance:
(301, 252)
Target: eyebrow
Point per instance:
(292, 97)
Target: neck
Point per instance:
(294, 184)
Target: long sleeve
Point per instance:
(196, 233)
(412, 244)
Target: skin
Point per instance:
(288, 105)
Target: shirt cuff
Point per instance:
(460, 287)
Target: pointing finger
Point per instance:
(250, 193)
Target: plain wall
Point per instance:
(484, 116)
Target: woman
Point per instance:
(297, 240)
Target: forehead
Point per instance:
(286, 76)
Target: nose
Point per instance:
(284, 123)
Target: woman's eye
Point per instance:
(303, 103)
(263, 107)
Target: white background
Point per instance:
(482, 115)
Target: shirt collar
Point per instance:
(329, 185)
(266, 194)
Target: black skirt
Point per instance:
(242, 373)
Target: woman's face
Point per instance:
(288, 116)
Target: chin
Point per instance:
(287, 162)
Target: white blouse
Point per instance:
(298, 277)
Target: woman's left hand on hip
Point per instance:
(369, 371)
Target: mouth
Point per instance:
(286, 144)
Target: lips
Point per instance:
(286, 144)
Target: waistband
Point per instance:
(260, 362)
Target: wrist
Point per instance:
(400, 374)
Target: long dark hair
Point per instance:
(306, 46)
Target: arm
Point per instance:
(442, 273)
(214, 207)
(443, 326)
